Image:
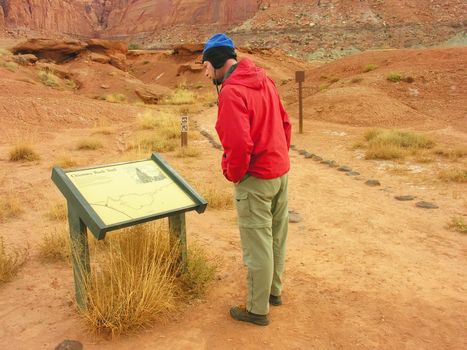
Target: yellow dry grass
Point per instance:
(458, 224)
(48, 78)
(23, 152)
(217, 198)
(66, 161)
(11, 66)
(55, 245)
(187, 152)
(180, 96)
(11, 260)
(10, 206)
(89, 144)
(394, 144)
(57, 212)
(135, 282)
(116, 98)
(453, 175)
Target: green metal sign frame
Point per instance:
(81, 216)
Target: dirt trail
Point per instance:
(363, 270)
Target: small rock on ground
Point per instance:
(405, 198)
(344, 168)
(373, 183)
(352, 173)
(317, 158)
(69, 345)
(308, 155)
(294, 217)
(302, 151)
(426, 205)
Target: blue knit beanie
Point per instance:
(218, 49)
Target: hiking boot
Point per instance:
(275, 300)
(241, 314)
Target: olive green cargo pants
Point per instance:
(263, 222)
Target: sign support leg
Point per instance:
(177, 227)
(79, 256)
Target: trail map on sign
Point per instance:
(123, 192)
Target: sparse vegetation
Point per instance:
(116, 98)
(187, 152)
(70, 84)
(11, 260)
(452, 154)
(458, 224)
(154, 143)
(369, 67)
(394, 144)
(146, 62)
(454, 175)
(334, 80)
(133, 46)
(217, 199)
(103, 131)
(181, 96)
(48, 78)
(57, 212)
(356, 80)
(55, 246)
(89, 144)
(139, 280)
(66, 161)
(394, 77)
(4, 52)
(10, 206)
(11, 66)
(23, 152)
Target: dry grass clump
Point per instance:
(394, 77)
(394, 144)
(180, 96)
(48, 78)
(115, 98)
(103, 131)
(458, 224)
(356, 80)
(10, 206)
(454, 175)
(452, 154)
(4, 52)
(89, 144)
(216, 198)
(66, 161)
(11, 260)
(58, 212)
(153, 143)
(369, 67)
(11, 66)
(55, 246)
(187, 152)
(135, 283)
(23, 152)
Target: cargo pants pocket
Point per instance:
(243, 205)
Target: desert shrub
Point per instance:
(66, 161)
(70, 84)
(115, 98)
(89, 144)
(11, 260)
(408, 79)
(58, 212)
(369, 67)
(453, 154)
(23, 152)
(154, 143)
(453, 175)
(10, 206)
(334, 80)
(356, 80)
(394, 77)
(133, 46)
(48, 78)
(55, 246)
(394, 144)
(458, 224)
(180, 96)
(4, 52)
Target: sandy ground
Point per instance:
(364, 271)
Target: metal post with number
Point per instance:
(184, 131)
(300, 78)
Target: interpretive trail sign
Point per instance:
(115, 196)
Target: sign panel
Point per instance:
(300, 76)
(115, 196)
(129, 191)
(184, 124)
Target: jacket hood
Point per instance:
(247, 74)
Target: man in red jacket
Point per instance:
(254, 130)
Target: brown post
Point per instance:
(184, 133)
(300, 78)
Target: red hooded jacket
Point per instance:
(252, 125)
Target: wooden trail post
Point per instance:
(300, 78)
(184, 131)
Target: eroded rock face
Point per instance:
(55, 50)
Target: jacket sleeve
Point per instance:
(233, 128)
(286, 123)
